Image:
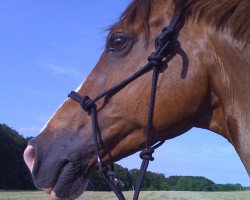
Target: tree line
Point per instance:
(158, 181)
(14, 174)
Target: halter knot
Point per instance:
(155, 60)
(86, 104)
(166, 35)
(168, 29)
(163, 41)
(146, 154)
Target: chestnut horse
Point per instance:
(205, 84)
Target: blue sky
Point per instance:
(48, 47)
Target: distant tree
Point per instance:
(228, 187)
(28, 138)
(125, 176)
(98, 183)
(172, 180)
(152, 180)
(190, 183)
(14, 174)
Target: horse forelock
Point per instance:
(231, 14)
(137, 12)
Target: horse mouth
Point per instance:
(67, 182)
(67, 185)
(70, 192)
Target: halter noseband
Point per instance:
(155, 61)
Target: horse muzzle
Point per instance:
(58, 168)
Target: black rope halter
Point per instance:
(155, 61)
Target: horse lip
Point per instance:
(76, 194)
(53, 196)
(57, 179)
(47, 190)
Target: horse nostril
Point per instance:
(29, 156)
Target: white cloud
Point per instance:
(59, 70)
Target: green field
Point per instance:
(159, 195)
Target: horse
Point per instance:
(203, 81)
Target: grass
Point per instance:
(145, 195)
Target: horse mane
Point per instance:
(231, 14)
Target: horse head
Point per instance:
(192, 91)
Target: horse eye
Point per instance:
(117, 42)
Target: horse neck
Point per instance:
(230, 84)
